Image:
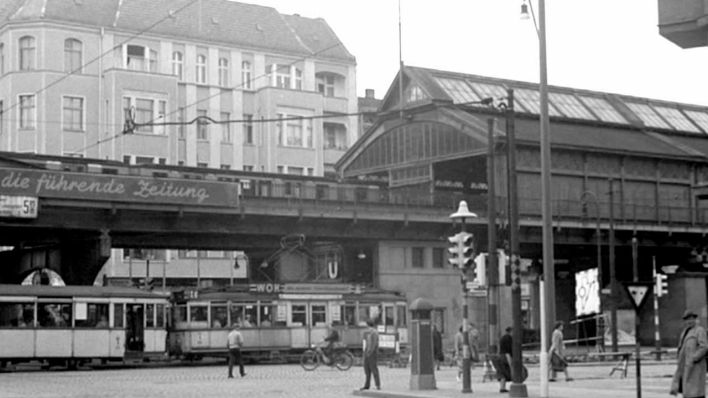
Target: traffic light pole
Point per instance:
(517, 387)
(493, 263)
(466, 353)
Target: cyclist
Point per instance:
(327, 346)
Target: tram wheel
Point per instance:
(309, 360)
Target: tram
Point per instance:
(281, 320)
(71, 325)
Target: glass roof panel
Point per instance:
(489, 90)
(458, 90)
(677, 119)
(570, 106)
(701, 118)
(531, 100)
(603, 109)
(647, 115)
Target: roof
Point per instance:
(218, 21)
(78, 291)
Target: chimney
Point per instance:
(369, 93)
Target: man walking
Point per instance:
(371, 347)
(234, 342)
(690, 376)
(504, 363)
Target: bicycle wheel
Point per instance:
(309, 360)
(344, 360)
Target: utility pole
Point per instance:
(613, 274)
(517, 388)
(493, 261)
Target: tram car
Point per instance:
(71, 325)
(279, 321)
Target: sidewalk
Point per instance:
(590, 380)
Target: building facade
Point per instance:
(72, 71)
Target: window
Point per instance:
(27, 112)
(198, 313)
(27, 53)
(248, 129)
(136, 57)
(73, 113)
(118, 315)
(54, 315)
(202, 125)
(319, 313)
(152, 61)
(2, 59)
(201, 68)
(17, 315)
(219, 316)
(247, 167)
(294, 132)
(91, 315)
(225, 167)
(279, 75)
(335, 136)
(223, 72)
(146, 110)
(72, 55)
(225, 128)
(178, 65)
(325, 85)
(298, 79)
(417, 259)
(246, 75)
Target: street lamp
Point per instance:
(462, 214)
(546, 210)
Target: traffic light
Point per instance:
(461, 250)
(662, 285)
(479, 271)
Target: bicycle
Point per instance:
(340, 358)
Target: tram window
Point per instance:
(160, 315)
(268, 315)
(299, 315)
(319, 315)
(19, 315)
(251, 316)
(388, 316)
(118, 315)
(401, 313)
(150, 315)
(236, 314)
(96, 315)
(180, 313)
(219, 316)
(54, 315)
(363, 315)
(198, 313)
(349, 311)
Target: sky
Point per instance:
(601, 45)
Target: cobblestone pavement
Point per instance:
(292, 381)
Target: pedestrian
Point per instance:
(690, 376)
(557, 353)
(371, 347)
(474, 343)
(437, 347)
(503, 363)
(459, 343)
(234, 343)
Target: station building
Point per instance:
(628, 177)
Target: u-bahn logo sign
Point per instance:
(65, 185)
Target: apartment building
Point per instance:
(71, 71)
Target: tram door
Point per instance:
(317, 322)
(134, 328)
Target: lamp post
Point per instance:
(546, 210)
(462, 214)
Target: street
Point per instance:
(591, 380)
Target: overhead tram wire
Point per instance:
(170, 14)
